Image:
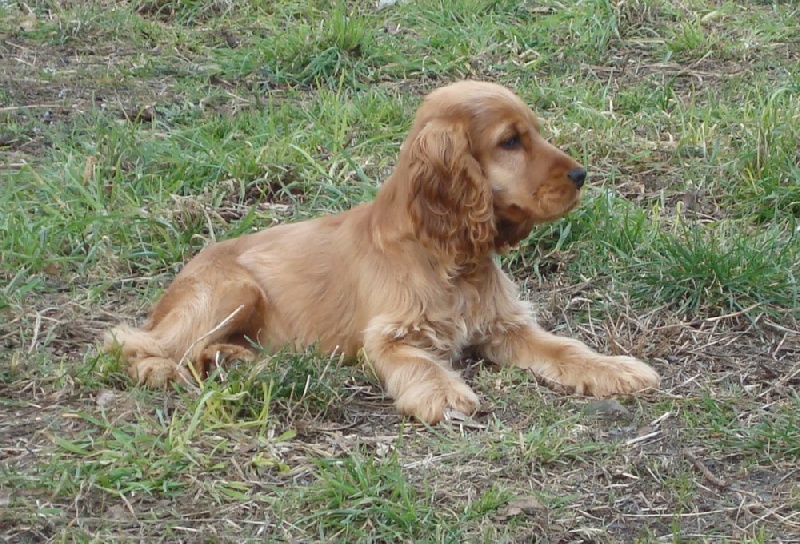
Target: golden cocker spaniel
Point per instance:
(410, 277)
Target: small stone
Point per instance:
(104, 398)
(607, 408)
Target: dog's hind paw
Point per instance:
(158, 372)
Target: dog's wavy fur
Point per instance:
(409, 277)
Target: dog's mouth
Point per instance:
(574, 203)
(510, 233)
(514, 222)
(555, 210)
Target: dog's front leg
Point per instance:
(420, 384)
(522, 343)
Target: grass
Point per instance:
(134, 133)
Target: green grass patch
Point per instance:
(359, 495)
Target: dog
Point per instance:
(408, 281)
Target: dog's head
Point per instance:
(480, 173)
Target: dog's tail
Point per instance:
(132, 343)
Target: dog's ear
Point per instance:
(450, 199)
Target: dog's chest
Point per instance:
(456, 322)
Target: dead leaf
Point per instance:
(521, 505)
(456, 418)
(28, 23)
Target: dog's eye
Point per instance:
(514, 142)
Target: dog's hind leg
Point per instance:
(206, 316)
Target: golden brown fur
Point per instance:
(409, 277)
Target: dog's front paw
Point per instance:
(607, 376)
(429, 400)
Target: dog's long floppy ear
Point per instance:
(450, 199)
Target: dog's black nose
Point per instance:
(578, 176)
